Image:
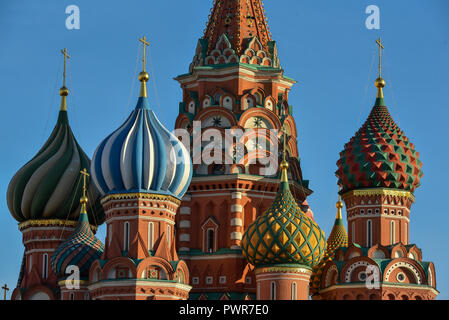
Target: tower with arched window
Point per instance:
(42, 196)
(378, 171)
(235, 81)
(142, 171)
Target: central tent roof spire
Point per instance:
(238, 20)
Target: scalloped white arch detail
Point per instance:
(402, 264)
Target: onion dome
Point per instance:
(142, 155)
(81, 249)
(379, 155)
(283, 234)
(46, 187)
(337, 239)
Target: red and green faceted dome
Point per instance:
(379, 156)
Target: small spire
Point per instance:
(144, 76)
(339, 206)
(64, 92)
(284, 163)
(380, 82)
(84, 198)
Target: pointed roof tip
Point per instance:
(240, 20)
(143, 78)
(63, 92)
(284, 174)
(380, 84)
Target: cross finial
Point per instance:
(379, 43)
(145, 44)
(64, 92)
(5, 290)
(84, 200)
(144, 76)
(66, 56)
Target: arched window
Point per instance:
(369, 233)
(191, 107)
(110, 233)
(181, 278)
(228, 102)
(30, 262)
(258, 97)
(72, 296)
(249, 103)
(405, 233)
(210, 240)
(206, 102)
(150, 236)
(126, 237)
(294, 290)
(273, 291)
(45, 266)
(393, 232)
(168, 236)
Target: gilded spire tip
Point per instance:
(144, 76)
(380, 82)
(64, 92)
(339, 205)
(84, 198)
(284, 163)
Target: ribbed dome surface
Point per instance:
(379, 155)
(283, 235)
(142, 156)
(46, 187)
(81, 249)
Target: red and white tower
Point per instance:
(142, 171)
(43, 197)
(378, 170)
(235, 82)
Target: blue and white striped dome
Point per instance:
(142, 156)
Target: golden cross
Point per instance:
(85, 175)
(379, 43)
(145, 44)
(66, 56)
(5, 289)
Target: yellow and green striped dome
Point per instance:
(283, 234)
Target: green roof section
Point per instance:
(237, 64)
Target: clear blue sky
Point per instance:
(324, 45)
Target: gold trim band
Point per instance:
(379, 192)
(51, 222)
(282, 269)
(148, 196)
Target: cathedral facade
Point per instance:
(218, 209)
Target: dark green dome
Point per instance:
(48, 187)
